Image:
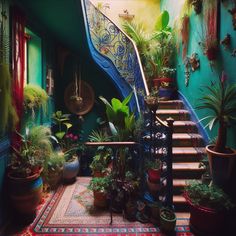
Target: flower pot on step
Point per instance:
(71, 169)
(221, 165)
(154, 175)
(205, 220)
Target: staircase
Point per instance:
(188, 148)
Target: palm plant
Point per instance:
(220, 98)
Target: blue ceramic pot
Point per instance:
(71, 169)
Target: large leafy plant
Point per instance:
(220, 98)
(121, 119)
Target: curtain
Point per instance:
(18, 64)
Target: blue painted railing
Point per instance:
(115, 53)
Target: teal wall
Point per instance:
(205, 74)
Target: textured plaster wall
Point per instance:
(144, 11)
(205, 74)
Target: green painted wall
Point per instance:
(34, 51)
(205, 75)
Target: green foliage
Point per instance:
(220, 99)
(153, 164)
(33, 150)
(55, 162)
(8, 117)
(99, 136)
(100, 184)
(208, 196)
(121, 120)
(137, 33)
(35, 97)
(162, 21)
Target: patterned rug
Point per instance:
(70, 211)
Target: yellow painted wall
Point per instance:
(145, 11)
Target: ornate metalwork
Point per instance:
(157, 142)
(113, 44)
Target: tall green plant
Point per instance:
(8, 117)
(220, 98)
(121, 119)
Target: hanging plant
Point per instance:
(35, 97)
(8, 117)
(197, 6)
(185, 35)
(209, 41)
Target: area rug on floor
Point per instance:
(70, 211)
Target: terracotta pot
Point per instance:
(99, 174)
(100, 199)
(167, 225)
(154, 175)
(25, 193)
(221, 165)
(212, 53)
(205, 220)
(153, 187)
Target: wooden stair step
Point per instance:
(180, 203)
(176, 114)
(171, 104)
(182, 218)
(187, 170)
(185, 154)
(179, 184)
(184, 126)
(187, 140)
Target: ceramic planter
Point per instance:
(54, 178)
(71, 169)
(154, 175)
(221, 165)
(205, 220)
(167, 224)
(25, 193)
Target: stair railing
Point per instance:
(116, 53)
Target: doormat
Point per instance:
(70, 211)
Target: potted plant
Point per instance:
(53, 168)
(220, 99)
(69, 144)
(102, 158)
(152, 99)
(167, 219)
(24, 180)
(208, 203)
(34, 98)
(153, 175)
(100, 186)
(167, 87)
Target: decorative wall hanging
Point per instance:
(187, 71)
(49, 82)
(197, 6)
(79, 96)
(209, 42)
(226, 41)
(185, 35)
(234, 53)
(126, 16)
(233, 13)
(194, 62)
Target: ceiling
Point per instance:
(63, 19)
